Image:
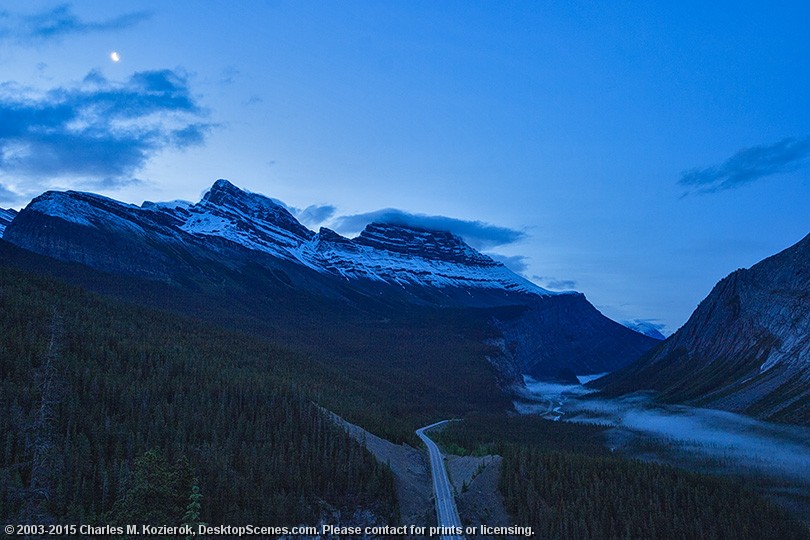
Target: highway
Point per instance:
(446, 511)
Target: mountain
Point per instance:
(233, 226)
(645, 327)
(746, 347)
(252, 247)
(5, 218)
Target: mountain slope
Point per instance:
(115, 382)
(241, 246)
(745, 348)
(159, 240)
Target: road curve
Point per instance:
(446, 512)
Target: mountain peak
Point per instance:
(330, 236)
(256, 213)
(428, 263)
(223, 186)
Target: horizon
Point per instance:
(635, 154)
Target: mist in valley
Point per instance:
(774, 458)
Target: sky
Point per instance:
(635, 151)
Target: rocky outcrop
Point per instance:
(746, 347)
(415, 242)
(5, 218)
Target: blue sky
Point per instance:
(635, 151)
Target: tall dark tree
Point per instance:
(192, 515)
(153, 494)
(41, 437)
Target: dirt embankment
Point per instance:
(411, 473)
(475, 480)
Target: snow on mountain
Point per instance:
(168, 206)
(5, 218)
(233, 240)
(249, 219)
(645, 327)
(395, 254)
(409, 256)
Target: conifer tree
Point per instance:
(192, 515)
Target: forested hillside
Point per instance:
(110, 412)
(558, 478)
(385, 367)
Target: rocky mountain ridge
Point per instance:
(255, 243)
(746, 347)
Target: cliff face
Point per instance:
(746, 347)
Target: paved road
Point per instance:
(446, 512)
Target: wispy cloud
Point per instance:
(312, 216)
(478, 234)
(97, 134)
(315, 214)
(748, 165)
(515, 263)
(555, 284)
(58, 22)
(7, 196)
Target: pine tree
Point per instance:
(192, 515)
(41, 440)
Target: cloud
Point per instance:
(555, 284)
(58, 22)
(316, 214)
(476, 233)
(99, 133)
(8, 196)
(748, 165)
(703, 439)
(515, 263)
(311, 216)
(229, 75)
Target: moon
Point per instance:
(115, 57)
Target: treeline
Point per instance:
(483, 434)
(579, 497)
(114, 413)
(558, 478)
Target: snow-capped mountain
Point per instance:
(256, 243)
(645, 327)
(391, 254)
(745, 348)
(5, 218)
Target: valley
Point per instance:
(771, 457)
(332, 353)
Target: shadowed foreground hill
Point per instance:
(109, 412)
